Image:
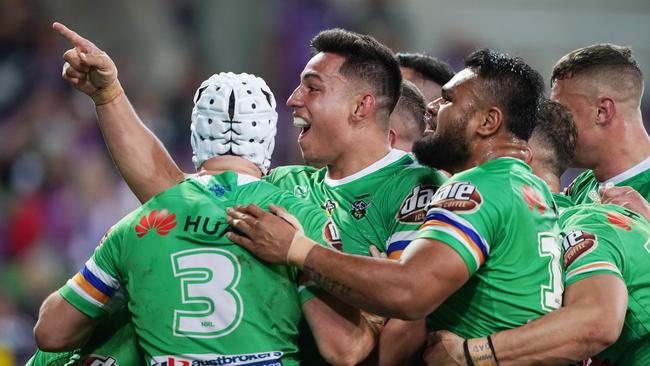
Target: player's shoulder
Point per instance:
(282, 172)
(406, 172)
(605, 217)
(579, 183)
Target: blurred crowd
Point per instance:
(59, 191)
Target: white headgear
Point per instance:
(234, 114)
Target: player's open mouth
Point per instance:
(301, 123)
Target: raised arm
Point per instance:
(139, 156)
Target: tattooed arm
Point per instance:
(428, 272)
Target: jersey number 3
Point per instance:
(209, 278)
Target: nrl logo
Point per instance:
(358, 209)
(461, 197)
(301, 191)
(329, 206)
(576, 244)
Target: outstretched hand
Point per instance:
(86, 68)
(268, 236)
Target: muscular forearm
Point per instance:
(60, 326)
(140, 157)
(560, 340)
(590, 321)
(343, 335)
(400, 343)
(386, 287)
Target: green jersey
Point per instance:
(500, 219)
(113, 343)
(383, 204)
(562, 202)
(609, 239)
(584, 189)
(193, 294)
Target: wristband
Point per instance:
(494, 353)
(300, 247)
(107, 94)
(468, 357)
(480, 352)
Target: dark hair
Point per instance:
(596, 58)
(429, 67)
(413, 107)
(365, 59)
(556, 131)
(513, 85)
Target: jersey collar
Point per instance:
(392, 156)
(633, 171)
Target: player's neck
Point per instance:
(494, 148)
(360, 157)
(623, 153)
(237, 164)
(552, 180)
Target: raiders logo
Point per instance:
(331, 234)
(461, 197)
(413, 208)
(576, 244)
(358, 209)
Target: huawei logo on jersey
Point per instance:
(576, 244)
(413, 208)
(95, 360)
(533, 200)
(620, 220)
(461, 197)
(162, 222)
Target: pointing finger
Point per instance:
(74, 38)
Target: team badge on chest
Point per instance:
(329, 206)
(358, 209)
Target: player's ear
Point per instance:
(529, 155)
(392, 137)
(606, 110)
(492, 121)
(364, 106)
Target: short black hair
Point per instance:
(413, 107)
(556, 130)
(365, 59)
(513, 85)
(429, 67)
